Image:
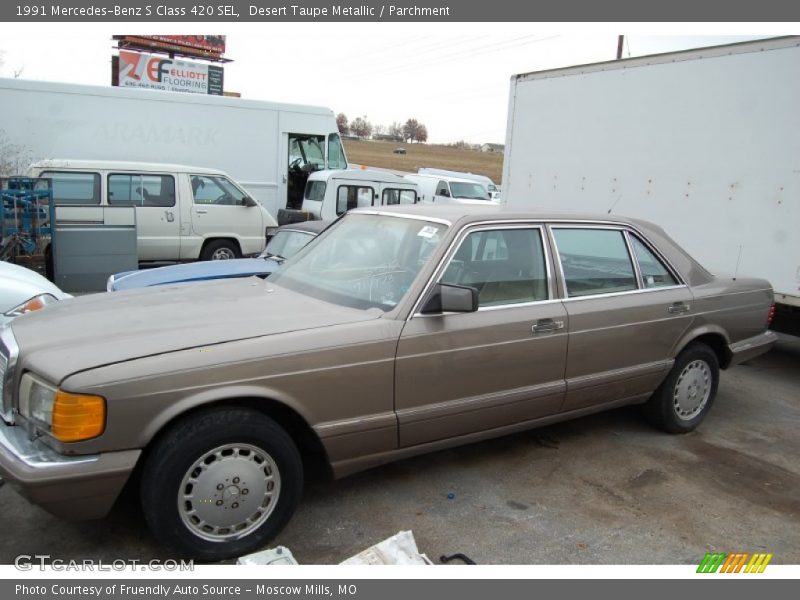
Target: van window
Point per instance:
(397, 196)
(469, 191)
(315, 190)
(141, 190)
(215, 189)
(349, 197)
(74, 188)
(442, 189)
(336, 159)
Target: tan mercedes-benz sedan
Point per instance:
(396, 332)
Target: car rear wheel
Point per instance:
(684, 398)
(221, 483)
(220, 250)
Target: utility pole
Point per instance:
(620, 41)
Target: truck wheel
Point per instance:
(682, 401)
(221, 484)
(220, 250)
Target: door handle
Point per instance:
(678, 308)
(202, 212)
(546, 326)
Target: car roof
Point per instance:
(309, 226)
(122, 165)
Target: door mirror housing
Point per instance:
(444, 298)
(248, 201)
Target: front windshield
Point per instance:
(363, 261)
(287, 243)
(468, 191)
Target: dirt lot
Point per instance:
(602, 489)
(381, 154)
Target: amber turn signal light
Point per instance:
(78, 417)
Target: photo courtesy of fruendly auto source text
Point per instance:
(399, 300)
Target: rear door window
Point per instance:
(392, 196)
(349, 197)
(594, 261)
(141, 189)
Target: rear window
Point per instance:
(74, 188)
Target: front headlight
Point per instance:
(67, 417)
(34, 303)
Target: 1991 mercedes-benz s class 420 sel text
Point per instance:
(397, 332)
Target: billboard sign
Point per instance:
(158, 72)
(201, 46)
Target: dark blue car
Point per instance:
(284, 244)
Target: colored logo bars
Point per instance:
(738, 562)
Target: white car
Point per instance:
(23, 291)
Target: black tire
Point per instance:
(171, 459)
(218, 247)
(697, 362)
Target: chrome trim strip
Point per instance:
(469, 228)
(16, 445)
(356, 425)
(628, 292)
(594, 379)
(482, 402)
(384, 213)
(10, 349)
(637, 270)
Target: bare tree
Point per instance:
(361, 127)
(422, 134)
(14, 158)
(396, 130)
(378, 129)
(342, 124)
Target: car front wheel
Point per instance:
(684, 398)
(221, 484)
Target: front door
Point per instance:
(218, 211)
(504, 364)
(306, 154)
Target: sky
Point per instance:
(452, 77)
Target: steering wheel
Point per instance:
(223, 199)
(295, 164)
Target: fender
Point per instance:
(695, 332)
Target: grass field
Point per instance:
(379, 154)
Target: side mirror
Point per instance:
(444, 193)
(248, 201)
(444, 298)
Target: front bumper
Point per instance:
(73, 487)
(751, 347)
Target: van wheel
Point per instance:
(683, 400)
(220, 250)
(221, 484)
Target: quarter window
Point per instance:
(594, 261)
(398, 196)
(315, 190)
(654, 273)
(74, 188)
(141, 190)
(349, 197)
(507, 266)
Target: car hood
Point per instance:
(197, 271)
(103, 329)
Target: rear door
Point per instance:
(157, 214)
(502, 365)
(627, 309)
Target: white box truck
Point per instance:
(702, 142)
(267, 147)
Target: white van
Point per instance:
(494, 190)
(182, 213)
(450, 190)
(330, 194)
